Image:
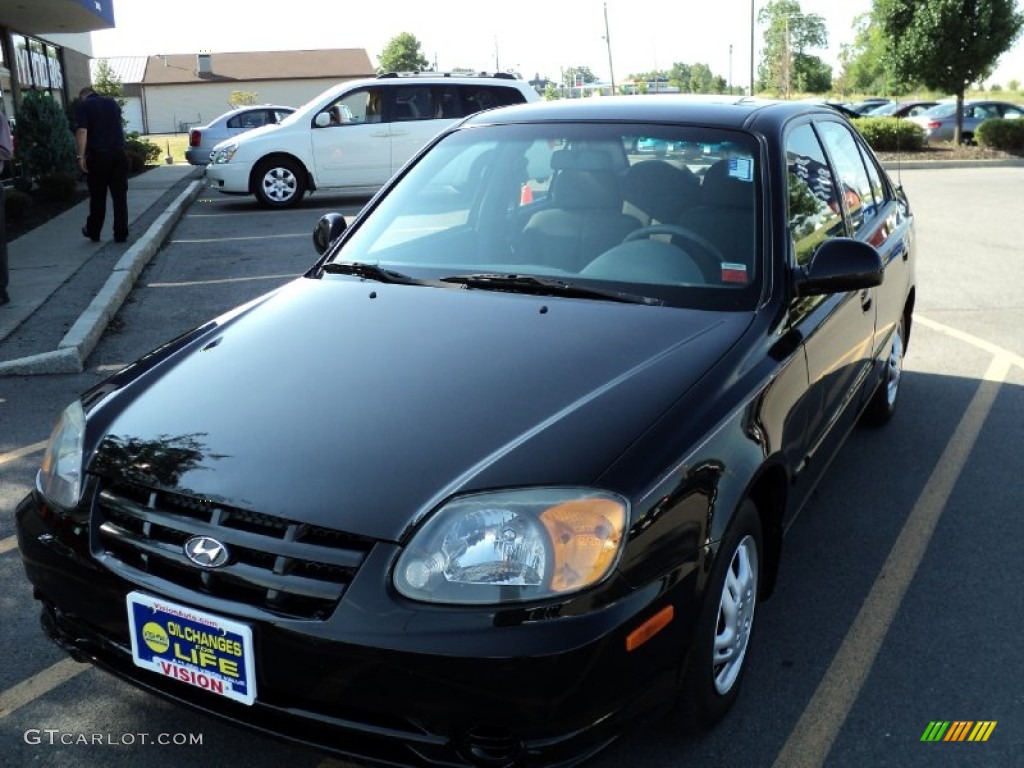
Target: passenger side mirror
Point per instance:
(840, 264)
(322, 120)
(327, 230)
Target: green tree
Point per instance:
(789, 35)
(572, 75)
(948, 44)
(243, 99)
(107, 83)
(105, 80)
(46, 147)
(402, 54)
(867, 63)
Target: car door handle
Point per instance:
(865, 300)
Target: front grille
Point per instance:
(283, 566)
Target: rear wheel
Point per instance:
(279, 182)
(883, 403)
(717, 659)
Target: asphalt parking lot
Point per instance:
(898, 603)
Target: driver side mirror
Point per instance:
(330, 227)
(840, 264)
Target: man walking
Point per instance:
(99, 134)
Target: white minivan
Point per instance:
(354, 136)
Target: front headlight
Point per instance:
(225, 154)
(515, 545)
(60, 475)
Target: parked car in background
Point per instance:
(900, 109)
(508, 470)
(353, 136)
(202, 139)
(939, 122)
(862, 107)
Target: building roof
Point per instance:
(128, 69)
(183, 68)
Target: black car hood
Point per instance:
(360, 406)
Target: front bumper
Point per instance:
(383, 681)
(232, 178)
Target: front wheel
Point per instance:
(279, 183)
(717, 659)
(882, 405)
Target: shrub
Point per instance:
(888, 134)
(17, 203)
(57, 186)
(146, 149)
(45, 145)
(1006, 135)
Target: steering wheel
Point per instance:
(708, 257)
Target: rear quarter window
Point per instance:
(476, 98)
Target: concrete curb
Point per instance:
(80, 340)
(917, 165)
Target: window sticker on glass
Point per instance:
(734, 272)
(741, 168)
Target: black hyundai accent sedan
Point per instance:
(512, 462)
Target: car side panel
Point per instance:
(352, 155)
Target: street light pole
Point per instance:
(608, 41)
(751, 47)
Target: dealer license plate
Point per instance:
(195, 647)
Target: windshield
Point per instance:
(660, 212)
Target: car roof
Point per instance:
(734, 112)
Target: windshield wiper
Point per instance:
(370, 272)
(541, 286)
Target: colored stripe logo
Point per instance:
(958, 730)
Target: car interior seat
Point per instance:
(658, 192)
(725, 217)
(585, 216)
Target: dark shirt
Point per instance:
(101, 118)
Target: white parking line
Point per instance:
(994, 350)
(811, 739)
(222, 280)
(39, 685)
(254, 237)
(6, 545)
(28, 450)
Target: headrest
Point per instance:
(574, 189)
(661, 190)
(580, 160)
(724, 185)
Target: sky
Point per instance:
(528, 36)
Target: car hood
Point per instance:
(360, 406)
(252, 134)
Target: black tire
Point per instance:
(883, 402)
(717, 659)
(279, 182)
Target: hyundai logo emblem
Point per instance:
(206, 552)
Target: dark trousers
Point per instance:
(107, 171)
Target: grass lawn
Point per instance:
(174, 143)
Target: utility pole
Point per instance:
(751, 47)
(730, 69)
(608, 41)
